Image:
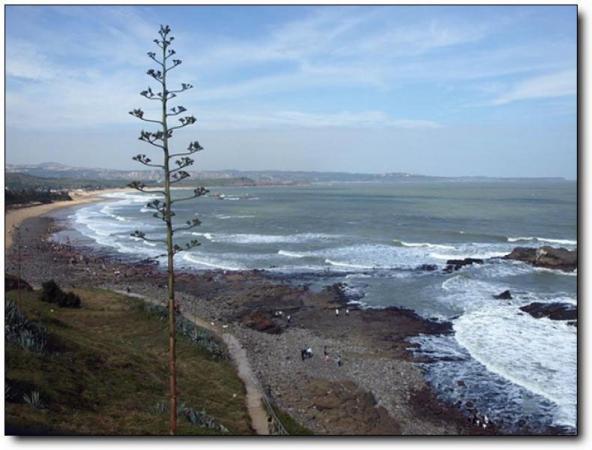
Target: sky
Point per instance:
(435, 90)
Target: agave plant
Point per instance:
(201, 419)
(160, 407)
(34, 400)
(23, 332)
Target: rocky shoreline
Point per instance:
(362, 378)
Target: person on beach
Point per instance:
(325, 353)
(336, 312)
(347, 311)
(306, 353)
(339, 362)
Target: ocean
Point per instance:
(520, 371)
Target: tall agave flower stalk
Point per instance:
(173, 167)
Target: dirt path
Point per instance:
(239, 357)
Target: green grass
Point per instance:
(106, 371)
(292, 427)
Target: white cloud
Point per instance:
(552, 85)
(90, 74)
(25, 61)
(300, 119)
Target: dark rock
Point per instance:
(547, 257)
(461, 383)
(261, 321)
(573, 323)
(345, 294)
(456, 264)
(12, 282)
(506, 295)
(554, 311)
(427, 267)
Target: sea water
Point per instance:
(518, 370)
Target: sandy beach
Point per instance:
(14, 217)
(361, 379)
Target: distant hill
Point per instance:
(232, 177)
(92, 179)
(20, 181)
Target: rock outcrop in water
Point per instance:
(506, 295)
(554, 311)
(427, 267)
(453, 265)
(547, 257)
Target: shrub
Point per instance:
(21, 331)
(34, 400)
(70, 300)
(202, 419)
(196, 417)
(201, 337)
(52, 293)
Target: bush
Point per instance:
(70, 300)
(21, 331)
(52, 293)
(201, 337)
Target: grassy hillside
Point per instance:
(103, 371)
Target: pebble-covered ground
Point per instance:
(377, 388)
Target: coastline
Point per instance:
(378, 389)
(381, 382)
(15, 217)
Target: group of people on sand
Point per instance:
(481, 422)
(337, 312)
(280, 314)
(307, 353)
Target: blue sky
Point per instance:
(427, 89)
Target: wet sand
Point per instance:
(14, 217)
(378, 389)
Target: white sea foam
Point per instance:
(344, 264)
(573, 273)
(208, 236)
(423, 244)
(476, 254)
(541, 239)
(291, 254)
(235, 216)
(248, 238)
(208, 261)
(538, 354)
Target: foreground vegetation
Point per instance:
(101, 369)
